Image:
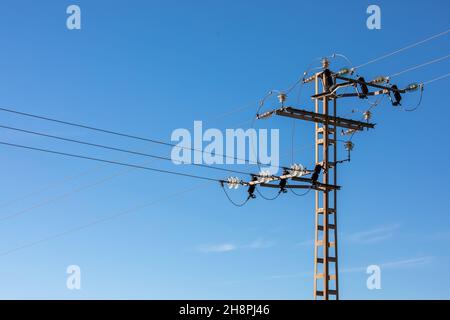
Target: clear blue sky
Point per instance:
(149, 67)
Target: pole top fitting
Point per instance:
(325, 63)
(349, 145)
(282, 97)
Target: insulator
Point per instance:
(251, 190)
(233, 182)
(264, 115)
(347, 132)
(315, 175)
(282, 185)
(309, 79)
(363, 86)
(328, 80)
(282, 98)
(297, 170)
(367, 115)
(412, 87)
(265, 176)
(397, 95)
(344, 71)
(325, 63)
(349, 145)
(380, 79)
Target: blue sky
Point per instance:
(150, 67)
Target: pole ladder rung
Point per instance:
(322, 129)
(330, 210)
(320, 293)
(322, 141)
(330, 259)
(321, 276)
(321, 243)
(330, 226)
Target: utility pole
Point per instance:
(325, 240)
(327, 84)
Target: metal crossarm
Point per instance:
(324, 118)
(370, 84)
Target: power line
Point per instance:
(48, 187)
(68, 193)
(300, 194)
(123, 134)
(111, 162)
(421, 91)
(267, 198)
(99, 221)
(69, 178)
(232, 201)
(119, 149)
(228, 113)
(61, 196)
(403, 49)
(436, 79)
(420, 66)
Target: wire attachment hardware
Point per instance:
(413, 87)
(282, 98)
(233, 182)
(380, 80)
(297, 170)
(264, 176)
(349, 145)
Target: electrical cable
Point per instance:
(403, 49)
(418, 104)
(101, 220)
(72, 177)
(267, 198)
(61, 196)
(301, 194)
(420, 66)
(231, 200)
(110, 161)
(118, 134)
(47, 187)
(436, 79)
(421, 91)
(119, 149)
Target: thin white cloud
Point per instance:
(293, 275)
(414, 262)
(371, 236)
(396, 264)
(374, 235)
(259, 244)
(440, 235)
(224, 247)
(306, 243)
(228, 247)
